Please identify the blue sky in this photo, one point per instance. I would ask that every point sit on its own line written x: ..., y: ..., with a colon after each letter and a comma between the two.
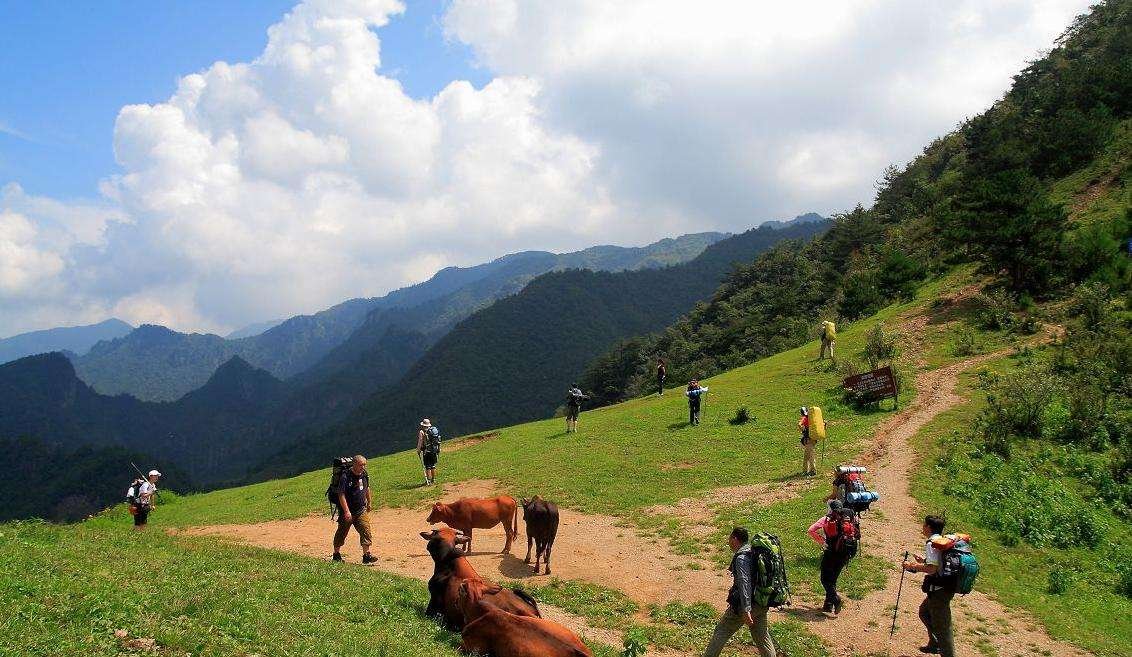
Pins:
x: 68, y: 67
x: 264, y: 176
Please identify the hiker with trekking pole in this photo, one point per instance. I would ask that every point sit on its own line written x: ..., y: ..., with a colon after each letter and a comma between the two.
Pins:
x: 949, y: 567
x: 142, y: 497
x: 428, y: 449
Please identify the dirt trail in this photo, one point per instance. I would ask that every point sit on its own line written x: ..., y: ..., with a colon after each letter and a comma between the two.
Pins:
x: 590, y: 548
x: 980, y: 621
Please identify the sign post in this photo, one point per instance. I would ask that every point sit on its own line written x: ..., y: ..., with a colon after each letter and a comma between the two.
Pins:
x: 873, y: 386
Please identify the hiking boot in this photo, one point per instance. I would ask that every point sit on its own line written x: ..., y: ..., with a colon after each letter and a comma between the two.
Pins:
x: 827, y: 607
x: 368, y: 559
x: 336, y: 557
x: 929, y: 650
x: 838, y: 605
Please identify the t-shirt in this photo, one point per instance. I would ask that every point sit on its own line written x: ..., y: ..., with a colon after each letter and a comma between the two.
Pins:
x: 145, y: 492
x: 354, y: 486
x: 932, y: 557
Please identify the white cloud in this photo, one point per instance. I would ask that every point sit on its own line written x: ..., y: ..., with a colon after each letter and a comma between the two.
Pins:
x: 306, y: 176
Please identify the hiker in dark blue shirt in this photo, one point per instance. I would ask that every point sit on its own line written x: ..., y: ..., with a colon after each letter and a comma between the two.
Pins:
x: 354, y: 504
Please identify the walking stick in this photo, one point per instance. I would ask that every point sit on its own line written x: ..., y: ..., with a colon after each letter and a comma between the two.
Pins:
x: 420, y: 457
x: 899, y: 589
x: 156, y: 493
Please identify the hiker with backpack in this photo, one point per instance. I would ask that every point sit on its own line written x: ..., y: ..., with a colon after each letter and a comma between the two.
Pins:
x: 428, y: 449
x: 661, y: 375
x: 352, y: 498
x: 839, y: 533
x: 809, y: 468
x: 141, y: 498
x: 828, y: 339
x: 574, y: 399
x: 949, y: 568
x: 759, y: 582
x: 694, y: 392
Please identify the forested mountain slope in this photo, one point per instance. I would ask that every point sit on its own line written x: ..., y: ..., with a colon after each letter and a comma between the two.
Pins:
x: 513, y: 360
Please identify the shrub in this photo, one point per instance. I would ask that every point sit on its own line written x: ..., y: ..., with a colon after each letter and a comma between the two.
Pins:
x: 742, y: 416
x: 880, y: 347
x: 1124, y: 583
x: 635, y: 643
x: 1060, y: 580
x: 966, y: 344
x: 994, y: 311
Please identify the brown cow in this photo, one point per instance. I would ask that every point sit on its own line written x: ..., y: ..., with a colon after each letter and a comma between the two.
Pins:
x: 500, y: 634
x: 467, y: 514
x: 451, y: 569
x: 541, y: 518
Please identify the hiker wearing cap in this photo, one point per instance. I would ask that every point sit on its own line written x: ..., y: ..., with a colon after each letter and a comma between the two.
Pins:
x: 353, y: 509
x: 574, y: 399
x: 808, y: 467
x: 428, y: 448
x: 838, y: 532
x: 694, y: 393
x: 661, y: 375
x: 145, y: 495
x: 935, y: 611
x: 741, y: 607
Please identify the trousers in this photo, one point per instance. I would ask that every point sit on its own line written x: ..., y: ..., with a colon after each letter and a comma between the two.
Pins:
x: 731, y: 622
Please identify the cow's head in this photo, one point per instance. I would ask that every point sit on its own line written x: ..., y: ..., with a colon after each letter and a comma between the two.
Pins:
x: 438, y: 514
x: 529, y: 505
x: 443, y: 543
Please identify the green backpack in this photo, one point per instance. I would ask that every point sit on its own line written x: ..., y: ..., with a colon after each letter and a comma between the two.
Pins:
x: 958, y: 566
x: 768, y: 572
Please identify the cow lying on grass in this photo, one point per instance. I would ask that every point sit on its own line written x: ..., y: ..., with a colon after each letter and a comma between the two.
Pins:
x: 491, y: 631
x: 467, y: 514
x: 451, y: 568
x: 541, y: 518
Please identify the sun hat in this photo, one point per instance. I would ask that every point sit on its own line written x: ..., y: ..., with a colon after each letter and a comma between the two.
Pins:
x: 426, y: 423
x: 154, y: 473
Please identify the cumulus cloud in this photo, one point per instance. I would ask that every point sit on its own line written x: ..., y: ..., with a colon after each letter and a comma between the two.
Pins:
x: 306, y: 176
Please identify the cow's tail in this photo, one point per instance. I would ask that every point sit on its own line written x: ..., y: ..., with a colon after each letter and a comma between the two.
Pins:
x: 515, y: 522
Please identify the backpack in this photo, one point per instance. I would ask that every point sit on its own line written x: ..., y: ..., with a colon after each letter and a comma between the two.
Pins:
x: 432, y: 440
x: 958, y: 567
x: 769, y: 585
x: 851, y: 488
x: 132, y: 491
x: 843, y: 534
x: 575, y: 397
x: 337, y: 467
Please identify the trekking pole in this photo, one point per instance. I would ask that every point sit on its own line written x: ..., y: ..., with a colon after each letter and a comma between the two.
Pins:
x: 899, y: 588
x: 420, y: 457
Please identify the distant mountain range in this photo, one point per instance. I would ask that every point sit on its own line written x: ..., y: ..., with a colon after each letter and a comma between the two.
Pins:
x: 154, y: 363
x: 75, y: 339
x: 255, y: 329
x: 512, y: 331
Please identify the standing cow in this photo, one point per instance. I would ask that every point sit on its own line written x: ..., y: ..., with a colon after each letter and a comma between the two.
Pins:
x: 467, y: 514
x: 451, y: 570
x: 541, y: 518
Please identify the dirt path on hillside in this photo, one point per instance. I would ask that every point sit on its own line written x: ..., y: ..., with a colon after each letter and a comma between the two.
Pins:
x: 981, y: 623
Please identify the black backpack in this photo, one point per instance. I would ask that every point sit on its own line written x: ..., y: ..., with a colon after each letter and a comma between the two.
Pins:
x: 337, y: 467
x: 132, y: 491
x: 432, y: 440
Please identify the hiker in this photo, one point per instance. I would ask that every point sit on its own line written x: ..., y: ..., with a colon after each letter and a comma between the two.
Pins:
x: 574, y: 399
x: 741, y: 608
x: 661, y: 375
x: 428, y: 449
x: 828, y: 339
x: 694, y: 392
x: 809, y: 469
x: 839, y: 533
x: 142, y: 496
x: 935, y: 611
x: 354, y: 504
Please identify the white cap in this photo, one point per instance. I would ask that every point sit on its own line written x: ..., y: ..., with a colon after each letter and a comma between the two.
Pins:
x: 154, y: 473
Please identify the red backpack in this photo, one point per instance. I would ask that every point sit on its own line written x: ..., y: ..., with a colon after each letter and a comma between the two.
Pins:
x: 843, y: 533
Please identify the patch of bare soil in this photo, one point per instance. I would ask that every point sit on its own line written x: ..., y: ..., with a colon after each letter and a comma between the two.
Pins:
x: 590, y: 548
x: 470, y: 441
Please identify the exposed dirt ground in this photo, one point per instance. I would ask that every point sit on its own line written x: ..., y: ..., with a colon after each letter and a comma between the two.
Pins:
x: 604, y: 550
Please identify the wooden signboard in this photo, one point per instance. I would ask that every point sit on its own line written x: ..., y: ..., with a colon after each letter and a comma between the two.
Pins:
x: 873, y: 386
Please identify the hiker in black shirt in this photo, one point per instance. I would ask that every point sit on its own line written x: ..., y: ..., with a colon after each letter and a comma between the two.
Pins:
x: 661, y: 375
x: 354, y: 504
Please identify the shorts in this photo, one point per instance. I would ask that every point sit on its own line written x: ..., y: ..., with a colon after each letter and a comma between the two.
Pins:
x: 142, y: 515
x: 572, y: 412
x: 430, y: 460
